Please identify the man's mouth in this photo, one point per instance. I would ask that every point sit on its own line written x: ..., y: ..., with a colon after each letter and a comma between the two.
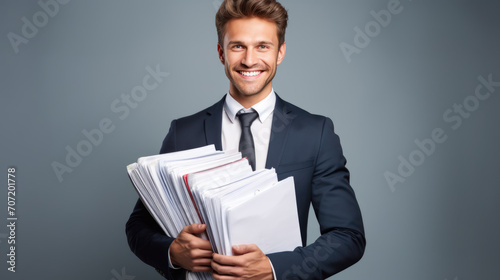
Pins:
x: 250, y: 73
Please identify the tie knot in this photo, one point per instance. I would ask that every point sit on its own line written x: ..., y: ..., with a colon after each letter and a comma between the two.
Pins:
x: 246, y: 119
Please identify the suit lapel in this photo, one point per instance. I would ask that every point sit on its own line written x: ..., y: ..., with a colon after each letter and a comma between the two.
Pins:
x: 282, y: 119
x: 213, y: 124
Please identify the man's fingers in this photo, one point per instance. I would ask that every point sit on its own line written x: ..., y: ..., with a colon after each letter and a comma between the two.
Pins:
x: 217, y: 276
x: 221, y: 271
x: 195, y: 228
x: 188, y: 237
x: 225, y: 269
x: 201, y: 253
x: 202, y: 262
x: 205, y: 245
x: 225, y: 260
x: 202, y: 265
x: 244, y: 249
x: 190, y: 251
x: 202, y: 244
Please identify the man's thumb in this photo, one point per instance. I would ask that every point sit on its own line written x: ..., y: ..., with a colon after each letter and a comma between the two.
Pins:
x: 195, y: 228
x: 244, y: 249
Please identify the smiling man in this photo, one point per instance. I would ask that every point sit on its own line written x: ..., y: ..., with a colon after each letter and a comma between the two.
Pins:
x: 251, y: 52
x: 272, y: 133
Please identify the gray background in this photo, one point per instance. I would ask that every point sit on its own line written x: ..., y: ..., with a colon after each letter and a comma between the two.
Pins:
x: 440, y: 223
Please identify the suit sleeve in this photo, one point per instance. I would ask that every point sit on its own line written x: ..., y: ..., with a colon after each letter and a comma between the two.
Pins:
x: 342, y: 240
x: 145, y: 237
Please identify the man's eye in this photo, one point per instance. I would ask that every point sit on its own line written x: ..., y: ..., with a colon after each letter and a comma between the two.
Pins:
x: 238, y: 46
x: 263, y: 47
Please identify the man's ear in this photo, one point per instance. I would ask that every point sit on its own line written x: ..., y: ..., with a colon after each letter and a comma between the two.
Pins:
x: 220, y: 50
x: 281, y: 53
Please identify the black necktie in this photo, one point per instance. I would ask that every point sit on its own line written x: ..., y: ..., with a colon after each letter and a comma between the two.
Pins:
x: 246, y: 147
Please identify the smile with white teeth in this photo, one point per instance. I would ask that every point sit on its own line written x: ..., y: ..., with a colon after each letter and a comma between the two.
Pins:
x: 249, y: 74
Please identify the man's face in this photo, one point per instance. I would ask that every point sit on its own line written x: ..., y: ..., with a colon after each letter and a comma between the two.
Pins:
x: 250, y: 56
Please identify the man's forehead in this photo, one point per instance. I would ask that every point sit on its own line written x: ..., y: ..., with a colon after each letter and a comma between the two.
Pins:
x: 251, y: 30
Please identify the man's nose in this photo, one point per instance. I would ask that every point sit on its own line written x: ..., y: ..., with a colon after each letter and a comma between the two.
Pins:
x: 250, y: 58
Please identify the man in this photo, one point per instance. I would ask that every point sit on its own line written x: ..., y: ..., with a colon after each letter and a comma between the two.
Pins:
x: 251, y: 44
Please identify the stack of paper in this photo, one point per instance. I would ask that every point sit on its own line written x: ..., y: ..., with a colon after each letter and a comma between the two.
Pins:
x: 219, y: 189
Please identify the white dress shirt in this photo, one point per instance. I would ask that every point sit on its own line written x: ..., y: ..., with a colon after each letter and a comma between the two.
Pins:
x: 261, y: 127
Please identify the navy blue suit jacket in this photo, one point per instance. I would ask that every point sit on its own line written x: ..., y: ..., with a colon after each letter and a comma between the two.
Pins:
x: 302, y: 145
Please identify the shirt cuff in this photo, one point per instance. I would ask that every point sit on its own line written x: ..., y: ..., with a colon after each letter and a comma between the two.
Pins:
x: 270, y: 262
x: 178, y: 267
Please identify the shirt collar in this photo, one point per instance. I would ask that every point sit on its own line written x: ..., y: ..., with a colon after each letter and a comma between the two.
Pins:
x: 264, y: 108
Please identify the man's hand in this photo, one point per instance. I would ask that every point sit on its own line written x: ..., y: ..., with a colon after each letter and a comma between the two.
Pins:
x: 191, y: 252
x: 248, y: 262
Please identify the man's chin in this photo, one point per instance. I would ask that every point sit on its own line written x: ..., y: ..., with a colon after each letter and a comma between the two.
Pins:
x: 249, y: 93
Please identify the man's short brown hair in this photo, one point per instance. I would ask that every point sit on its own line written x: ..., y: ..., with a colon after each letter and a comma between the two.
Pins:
x: 265, y: 9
